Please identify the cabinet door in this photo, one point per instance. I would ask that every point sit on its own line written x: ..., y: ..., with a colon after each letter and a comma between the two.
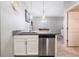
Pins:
x: 32, y: 47
x: 20, y: 47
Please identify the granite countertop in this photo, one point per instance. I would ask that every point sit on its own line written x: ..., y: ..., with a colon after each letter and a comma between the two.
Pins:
x: 25, y: 33
x: 31, y: 33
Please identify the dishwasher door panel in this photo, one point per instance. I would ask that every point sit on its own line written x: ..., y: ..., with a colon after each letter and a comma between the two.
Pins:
x: 47, y: 47
x: 51, y: 47
x: 42, y: 46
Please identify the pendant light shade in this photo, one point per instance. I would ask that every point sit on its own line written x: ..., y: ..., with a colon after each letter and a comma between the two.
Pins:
x: 31, y: 17
x: 43, y: 17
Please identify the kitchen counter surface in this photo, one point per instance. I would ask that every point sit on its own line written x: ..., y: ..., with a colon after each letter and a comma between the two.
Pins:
x: 34, y: 33
x: 31, y: 33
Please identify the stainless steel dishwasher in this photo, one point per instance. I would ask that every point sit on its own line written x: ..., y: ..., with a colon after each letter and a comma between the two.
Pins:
x: 47, y: 45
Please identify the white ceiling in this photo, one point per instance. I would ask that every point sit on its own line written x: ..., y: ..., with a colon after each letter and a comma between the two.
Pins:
x: 52, y: 8
x: 68, y: 4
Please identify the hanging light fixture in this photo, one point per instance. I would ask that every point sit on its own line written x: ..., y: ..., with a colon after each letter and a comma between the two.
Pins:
x: 43, y: 17
x: 31, y: 11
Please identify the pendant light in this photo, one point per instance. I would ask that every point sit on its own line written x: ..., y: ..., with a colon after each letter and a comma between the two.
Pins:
x: 43, y: 17
x: 31, y: 16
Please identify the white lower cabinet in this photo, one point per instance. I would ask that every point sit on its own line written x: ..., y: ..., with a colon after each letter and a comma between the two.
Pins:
x: 20, y: 47
x: 25, y: 45
x: 32, y: 47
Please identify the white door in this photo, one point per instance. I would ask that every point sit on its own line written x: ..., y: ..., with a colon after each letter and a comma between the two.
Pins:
x: 20, y: 46
x: 73, y: 29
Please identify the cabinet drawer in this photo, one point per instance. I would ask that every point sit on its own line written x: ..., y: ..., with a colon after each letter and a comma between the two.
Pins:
x: 26, y: 36
x: 23, y: 39
x: 19, y: 40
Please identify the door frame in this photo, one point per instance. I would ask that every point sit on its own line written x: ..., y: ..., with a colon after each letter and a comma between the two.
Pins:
x: 67, y: 29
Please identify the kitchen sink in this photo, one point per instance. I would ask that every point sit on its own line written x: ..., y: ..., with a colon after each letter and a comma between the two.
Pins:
x: 23, y: 33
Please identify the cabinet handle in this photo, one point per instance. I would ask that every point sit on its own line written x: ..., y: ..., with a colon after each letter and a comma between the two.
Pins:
x: 26, y: 47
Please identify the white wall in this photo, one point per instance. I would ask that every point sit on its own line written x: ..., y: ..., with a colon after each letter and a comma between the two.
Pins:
x: 10, y: 20
x: 53, y: 23
x: 0, y: 31
x: 52, y: 8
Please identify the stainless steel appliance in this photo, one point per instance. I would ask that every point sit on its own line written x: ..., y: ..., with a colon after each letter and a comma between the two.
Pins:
x: 47, y: 45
